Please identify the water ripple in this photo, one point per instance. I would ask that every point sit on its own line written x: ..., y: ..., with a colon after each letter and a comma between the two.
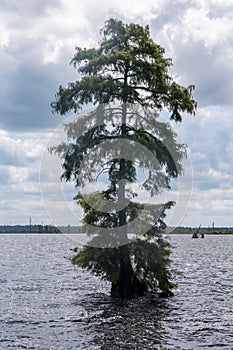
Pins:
x: 46, y: 303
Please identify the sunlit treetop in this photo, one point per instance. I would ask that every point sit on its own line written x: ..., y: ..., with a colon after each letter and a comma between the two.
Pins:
x: 127, y: 66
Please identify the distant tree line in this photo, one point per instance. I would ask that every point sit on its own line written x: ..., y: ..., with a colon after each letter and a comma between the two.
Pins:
x: 28, y: 229
x: 206, y: 230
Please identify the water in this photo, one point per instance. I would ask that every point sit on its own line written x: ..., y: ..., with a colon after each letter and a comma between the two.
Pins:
x: 46, y: 303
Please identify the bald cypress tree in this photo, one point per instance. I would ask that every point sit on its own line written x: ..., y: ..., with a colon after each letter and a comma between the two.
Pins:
x: 126, y: 78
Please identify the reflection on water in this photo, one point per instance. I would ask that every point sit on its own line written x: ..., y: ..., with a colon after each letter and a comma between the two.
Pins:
x: 46, y: 303
x: 133, y: 325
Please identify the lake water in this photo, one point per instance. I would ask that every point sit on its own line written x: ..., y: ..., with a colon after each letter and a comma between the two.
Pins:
x: 47, y: 303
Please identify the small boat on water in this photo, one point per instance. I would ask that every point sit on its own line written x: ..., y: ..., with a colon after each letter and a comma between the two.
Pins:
x: 196, y: 234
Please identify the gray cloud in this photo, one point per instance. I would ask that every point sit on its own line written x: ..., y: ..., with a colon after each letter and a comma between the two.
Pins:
x: 27, y: 95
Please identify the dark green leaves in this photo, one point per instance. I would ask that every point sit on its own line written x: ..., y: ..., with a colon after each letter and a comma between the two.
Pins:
x: 128, y: 66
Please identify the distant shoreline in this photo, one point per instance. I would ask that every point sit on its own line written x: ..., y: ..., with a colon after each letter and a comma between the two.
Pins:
x: 28, y: 229
x: 204, y: 230
x: 48, y: 229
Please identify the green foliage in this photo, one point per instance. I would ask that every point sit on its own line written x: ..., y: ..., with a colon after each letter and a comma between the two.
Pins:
x: 104, y: 262
x: 128, y: 67
x: 149, y: 254
x: 142, y: 127
x: 127, y: 78
x: 151, y: 261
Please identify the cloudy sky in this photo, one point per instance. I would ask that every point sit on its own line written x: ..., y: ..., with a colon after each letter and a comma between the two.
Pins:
x: 37, y: 41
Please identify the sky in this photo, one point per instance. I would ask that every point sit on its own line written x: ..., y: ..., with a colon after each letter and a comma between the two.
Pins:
x: 38, y: 40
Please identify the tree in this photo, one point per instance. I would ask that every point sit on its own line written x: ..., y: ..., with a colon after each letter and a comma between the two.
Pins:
x: 127, y: 79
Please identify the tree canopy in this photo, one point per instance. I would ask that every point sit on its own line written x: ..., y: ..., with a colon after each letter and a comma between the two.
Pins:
x: 128, y: 66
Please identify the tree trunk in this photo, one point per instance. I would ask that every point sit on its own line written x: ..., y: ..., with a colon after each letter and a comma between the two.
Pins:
x: 123, y: 288
x: 127, y: 285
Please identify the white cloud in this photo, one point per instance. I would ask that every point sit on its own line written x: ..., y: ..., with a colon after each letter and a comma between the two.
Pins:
x: 199, y: 26
x: 226, y: 5
x: 4, y: 36
x: 18, y: 151
x: 52, y: 50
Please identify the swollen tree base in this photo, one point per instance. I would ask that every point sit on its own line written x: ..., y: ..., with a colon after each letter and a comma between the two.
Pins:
x: 127, y: 285
x: 128, y: 289
x: 138, y: 289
